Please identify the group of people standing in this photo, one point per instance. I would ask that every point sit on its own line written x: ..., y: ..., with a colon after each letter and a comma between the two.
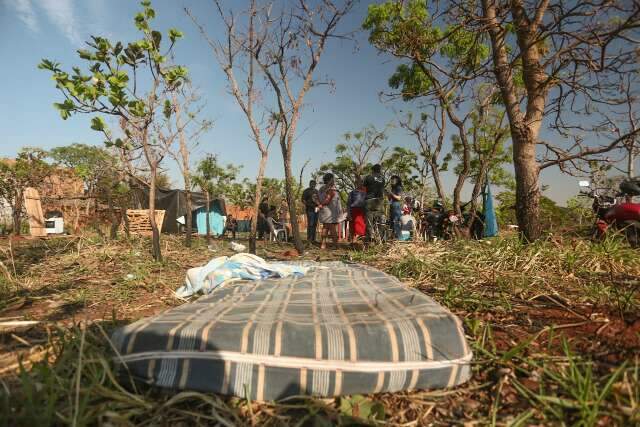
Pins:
x: 365, y: 205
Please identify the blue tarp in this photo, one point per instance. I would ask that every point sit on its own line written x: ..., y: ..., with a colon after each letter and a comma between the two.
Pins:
x: 490, y: 221
x: 244, y: 226
x: 216, y: 222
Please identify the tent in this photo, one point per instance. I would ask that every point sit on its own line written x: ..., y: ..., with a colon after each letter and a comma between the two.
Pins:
x: 216, y: 219
x: 490, y: 222
x: 174, y: 203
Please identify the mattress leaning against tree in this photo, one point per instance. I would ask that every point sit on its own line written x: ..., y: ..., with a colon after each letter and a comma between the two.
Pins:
x: 341, y: 329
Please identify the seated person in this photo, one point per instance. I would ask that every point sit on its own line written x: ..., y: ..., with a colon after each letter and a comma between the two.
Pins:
x: 283, y: 217
x: 231, y: 226
x: 407, y: 224
x: 263, y: 213
x: 271, y: 223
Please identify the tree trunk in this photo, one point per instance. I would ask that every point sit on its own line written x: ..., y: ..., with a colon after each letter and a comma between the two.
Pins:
x: 207, y: 210
x: 155, y: 237
x: 466, y: 163
x: 524, y: 129
x: 256, y: 201
x: 527, y: 188
x: 291, y: 201
x: 188, y: 216
x: 125, y: 220
x: 15, y: 214
x: 457, y: 191
x: 76, y: 219
x: 115, y: 221
x: 184, y: 154
x: 437, y: 181
x: 631, y: 160
x: 477, y: 186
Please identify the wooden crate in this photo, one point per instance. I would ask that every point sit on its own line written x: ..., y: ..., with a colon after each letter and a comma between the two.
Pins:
x: 139, y: 221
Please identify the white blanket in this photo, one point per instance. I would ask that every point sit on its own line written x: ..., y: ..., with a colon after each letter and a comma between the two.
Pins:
x: 243, y: 266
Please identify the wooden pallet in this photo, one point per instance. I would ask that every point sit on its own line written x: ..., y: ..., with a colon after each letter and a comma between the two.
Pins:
x: 139, y: 221
x: 34, y: 212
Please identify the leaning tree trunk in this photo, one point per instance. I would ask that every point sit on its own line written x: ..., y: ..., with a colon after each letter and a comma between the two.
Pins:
x: 291, y: 200
x: 256, y: 202
x: 437, y: 181
x: 155, y: 233
x: 477, y: 186
x: 207, y: 197
x: 466, y: 163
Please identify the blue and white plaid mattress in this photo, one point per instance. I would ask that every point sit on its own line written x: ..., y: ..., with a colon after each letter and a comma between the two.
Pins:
x: 341, y: 329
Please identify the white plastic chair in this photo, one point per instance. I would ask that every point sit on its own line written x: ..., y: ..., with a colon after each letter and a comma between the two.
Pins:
x: 275, y: 232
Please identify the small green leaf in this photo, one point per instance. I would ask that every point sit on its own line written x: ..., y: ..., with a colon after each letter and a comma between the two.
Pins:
x: 117, y: 49
x: 97, y: 124
x: 46, y: 64
x: 358, y: 406
x: 85, y: 54
x: 137, y: 108
x: 65, y: 109
x: 157, y: 38
x: 175, y: 34
x: 144, y: 44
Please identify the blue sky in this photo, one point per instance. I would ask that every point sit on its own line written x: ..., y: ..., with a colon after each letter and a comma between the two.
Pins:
x: 54, y: 29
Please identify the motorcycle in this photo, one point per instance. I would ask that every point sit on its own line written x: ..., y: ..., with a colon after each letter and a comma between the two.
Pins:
x: 618, y: 212
x: 436, y: 223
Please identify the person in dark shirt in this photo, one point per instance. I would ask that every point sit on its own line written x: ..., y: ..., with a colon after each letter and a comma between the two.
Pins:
x: 263, y: 212
x: 374, y: 184
x: 395, y: 197
x: 311, y: 204
x: 231, y: 226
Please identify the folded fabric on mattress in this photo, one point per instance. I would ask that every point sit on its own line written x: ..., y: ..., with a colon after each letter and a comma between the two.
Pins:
x: 339, y: 330
x: 242, y: 266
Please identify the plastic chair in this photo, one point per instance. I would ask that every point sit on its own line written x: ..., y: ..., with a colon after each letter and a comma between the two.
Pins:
x: 276, y: 230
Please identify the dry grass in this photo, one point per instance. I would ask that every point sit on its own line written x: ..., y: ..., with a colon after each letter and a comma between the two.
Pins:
x: 554, y: 327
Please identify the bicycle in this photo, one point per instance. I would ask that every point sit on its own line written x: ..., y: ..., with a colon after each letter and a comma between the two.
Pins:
x: 380, y: 231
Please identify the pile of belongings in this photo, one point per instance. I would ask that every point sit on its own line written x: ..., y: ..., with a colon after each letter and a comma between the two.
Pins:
x: 243, y: 266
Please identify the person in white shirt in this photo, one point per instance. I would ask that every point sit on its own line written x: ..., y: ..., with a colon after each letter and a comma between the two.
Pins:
x: 407, y: 222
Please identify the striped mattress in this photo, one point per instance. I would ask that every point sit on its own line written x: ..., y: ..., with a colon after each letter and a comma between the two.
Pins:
x: 341, y: 329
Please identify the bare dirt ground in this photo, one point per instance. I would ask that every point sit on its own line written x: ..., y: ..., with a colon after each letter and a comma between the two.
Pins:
x: 554, y: 326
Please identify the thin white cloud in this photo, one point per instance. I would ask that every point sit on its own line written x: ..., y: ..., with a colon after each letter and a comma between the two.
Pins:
x: 26, y: 13
x: 98, y: 18
x: 61, y: 15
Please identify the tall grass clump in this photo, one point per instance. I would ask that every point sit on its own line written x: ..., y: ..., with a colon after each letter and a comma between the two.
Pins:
x: 594, y: 272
